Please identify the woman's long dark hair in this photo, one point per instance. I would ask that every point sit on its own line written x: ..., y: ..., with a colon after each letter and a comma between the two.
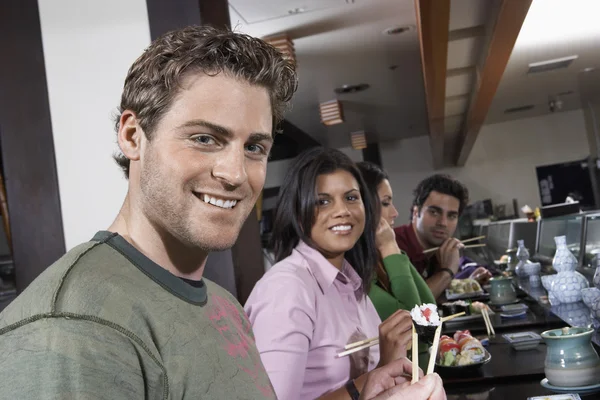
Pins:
x: 373, y: 175
x: 295, y: 210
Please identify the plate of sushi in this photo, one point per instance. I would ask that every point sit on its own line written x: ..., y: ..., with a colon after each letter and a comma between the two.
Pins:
x: 472, y: 310
x: 463, y: 289
x: 461, y: 352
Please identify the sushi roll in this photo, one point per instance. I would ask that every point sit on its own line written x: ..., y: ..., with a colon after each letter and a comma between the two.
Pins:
x: 455, y: 307
x: 472, y: 350
x: 459, y: 334
x: 449, y: 349
x: 426, y: 320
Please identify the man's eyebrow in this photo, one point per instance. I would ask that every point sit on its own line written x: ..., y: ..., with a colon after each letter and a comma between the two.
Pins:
x: 222, y: 131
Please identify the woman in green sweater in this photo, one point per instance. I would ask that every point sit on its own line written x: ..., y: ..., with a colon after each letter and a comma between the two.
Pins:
x: 397, y: 284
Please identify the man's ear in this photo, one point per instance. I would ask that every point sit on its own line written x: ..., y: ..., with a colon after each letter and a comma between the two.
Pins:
x: 415, y: 213
x: 129, y: 136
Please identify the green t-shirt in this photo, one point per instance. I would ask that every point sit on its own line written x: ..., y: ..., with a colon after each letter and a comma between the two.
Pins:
x: 105, y: 322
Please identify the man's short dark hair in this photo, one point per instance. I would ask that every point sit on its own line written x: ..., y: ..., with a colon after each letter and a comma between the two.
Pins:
x: 444, y: 184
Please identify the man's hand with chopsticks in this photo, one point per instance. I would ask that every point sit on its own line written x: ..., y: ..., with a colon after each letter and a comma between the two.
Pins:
x: 481, y: 275
x: 395, y: 333
x: 392, y: 382
x: 449, y: 255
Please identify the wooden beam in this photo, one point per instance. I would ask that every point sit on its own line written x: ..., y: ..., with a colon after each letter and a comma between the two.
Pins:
x: 433, y: 21
x: 467, y: 33
x: 28, y: 157
x: 509, y: 21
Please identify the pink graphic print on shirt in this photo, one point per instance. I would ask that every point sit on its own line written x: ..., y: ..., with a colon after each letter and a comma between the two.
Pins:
x: 235, y: 329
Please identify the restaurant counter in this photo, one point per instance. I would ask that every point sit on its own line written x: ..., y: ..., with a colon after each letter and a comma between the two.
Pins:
x: 572, y: 314
x: 512, y: 374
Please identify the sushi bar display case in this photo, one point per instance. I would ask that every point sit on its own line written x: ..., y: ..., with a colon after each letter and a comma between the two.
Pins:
x: 571, y: 226
x: 591, y: 241
x: 502, y: 236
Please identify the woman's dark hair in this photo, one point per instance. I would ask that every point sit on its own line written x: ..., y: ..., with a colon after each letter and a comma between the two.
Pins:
x: 373, y: 175
x: 444, y: 184
x: 295, y: 211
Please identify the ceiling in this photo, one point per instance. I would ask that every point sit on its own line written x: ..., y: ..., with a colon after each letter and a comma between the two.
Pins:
x: 552, y: 29
x: 340, y: 42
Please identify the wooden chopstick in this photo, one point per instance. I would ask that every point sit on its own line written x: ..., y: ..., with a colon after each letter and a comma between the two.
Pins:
x: 462, y: 241
x: 366, y: 343
x: 357, y: 348
x: 470, y: 246
x: 415, y: 356
x: 360, y: 343
x: 449, y: 317
x: 434, y: 349
x: 473, y: 239
x: 488, y: 323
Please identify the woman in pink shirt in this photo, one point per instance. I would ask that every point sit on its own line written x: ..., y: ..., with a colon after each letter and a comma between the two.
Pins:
x: 313, y: 302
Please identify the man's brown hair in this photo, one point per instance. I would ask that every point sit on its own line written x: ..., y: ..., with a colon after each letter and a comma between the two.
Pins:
x: 154, y: 79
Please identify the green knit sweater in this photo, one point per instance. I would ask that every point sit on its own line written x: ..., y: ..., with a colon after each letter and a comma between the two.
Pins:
x: 407, y: 289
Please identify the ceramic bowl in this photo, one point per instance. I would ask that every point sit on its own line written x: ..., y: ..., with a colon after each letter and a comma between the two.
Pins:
x: 570, y: 357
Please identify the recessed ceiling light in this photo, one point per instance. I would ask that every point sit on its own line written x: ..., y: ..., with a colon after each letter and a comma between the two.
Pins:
x: 298, y: 10
x: 588, y: 69
x: 351, y: 88
x: 397, y: 30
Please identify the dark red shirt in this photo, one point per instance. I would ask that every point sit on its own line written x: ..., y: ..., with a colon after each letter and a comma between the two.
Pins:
x: 407, y: 240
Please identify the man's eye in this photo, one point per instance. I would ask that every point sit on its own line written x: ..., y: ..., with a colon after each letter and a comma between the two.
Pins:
x: 205, y: 139
x: 256, y: 149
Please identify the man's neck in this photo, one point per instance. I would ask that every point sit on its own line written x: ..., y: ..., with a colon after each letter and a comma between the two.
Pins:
x: 165, y: 250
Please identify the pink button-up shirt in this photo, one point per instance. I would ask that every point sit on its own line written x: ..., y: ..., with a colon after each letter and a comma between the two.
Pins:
x: 303, y: 312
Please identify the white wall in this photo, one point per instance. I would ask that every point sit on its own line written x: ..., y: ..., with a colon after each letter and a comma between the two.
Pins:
x: 502, y: 163
x: 355, y: 155
x: 88, y: 48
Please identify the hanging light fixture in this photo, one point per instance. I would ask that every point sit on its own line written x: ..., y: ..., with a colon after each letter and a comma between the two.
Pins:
x: 285, y: 46
x: 331, y: 112
x: 358, y: 140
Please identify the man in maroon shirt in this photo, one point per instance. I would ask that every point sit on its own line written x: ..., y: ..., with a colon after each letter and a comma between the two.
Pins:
x: 439, y: 201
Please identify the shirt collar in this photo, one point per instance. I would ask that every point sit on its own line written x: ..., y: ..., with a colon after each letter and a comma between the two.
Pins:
x: 414, y: 250
x: 325, y: 273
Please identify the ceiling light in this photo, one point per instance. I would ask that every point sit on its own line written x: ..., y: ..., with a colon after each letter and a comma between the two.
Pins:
x: 331, y: 112
x: 589, y: 69
x: 351, y: 88
x: 285, y: 46
x: 358, y: 140
x: 397, y: 30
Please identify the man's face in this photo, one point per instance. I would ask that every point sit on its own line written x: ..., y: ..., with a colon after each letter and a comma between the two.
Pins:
x: 205, y: 166
x: 437, y: 219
